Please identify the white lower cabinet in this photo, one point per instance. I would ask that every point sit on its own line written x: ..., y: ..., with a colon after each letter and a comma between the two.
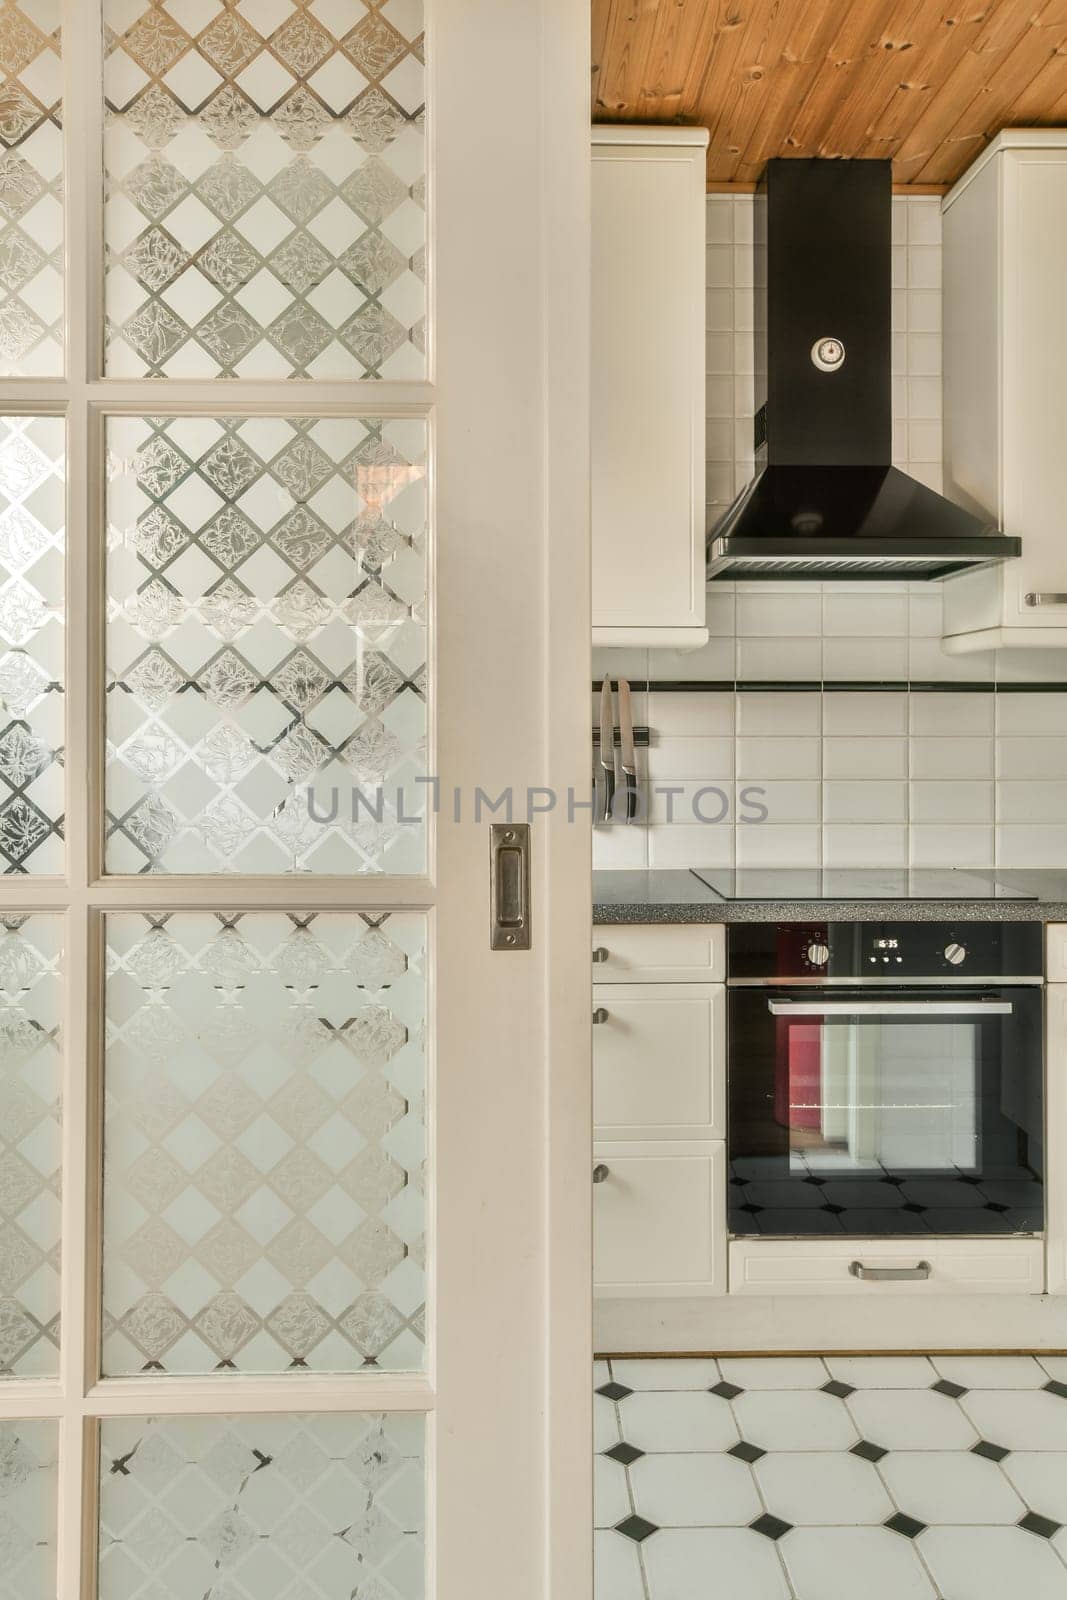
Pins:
x: 827, y: 1266
x: 658, y: 1061
x: 659, y: 1222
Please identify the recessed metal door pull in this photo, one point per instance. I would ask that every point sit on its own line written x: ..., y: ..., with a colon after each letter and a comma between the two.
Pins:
x: 509, y: 886
x: 922, y: 1269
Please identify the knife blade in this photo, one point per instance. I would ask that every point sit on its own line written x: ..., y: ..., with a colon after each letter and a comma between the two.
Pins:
x: 629, y: 758
x: 607, y: 746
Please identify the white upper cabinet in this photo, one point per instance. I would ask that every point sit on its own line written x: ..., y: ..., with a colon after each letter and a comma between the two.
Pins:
x: 1005, y: 355
x: 648, y: 386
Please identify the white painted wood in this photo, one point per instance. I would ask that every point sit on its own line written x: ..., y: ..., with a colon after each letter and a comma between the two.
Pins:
x: 1005, y: 349
x: 659, y: 1061
x: 1056, y: 952
x: 661, y: 953
x: 960, y: 1266
x: 507, y: 402
x: 659, y: 1219
x: 1056, y: 1112
x: 648, y: 343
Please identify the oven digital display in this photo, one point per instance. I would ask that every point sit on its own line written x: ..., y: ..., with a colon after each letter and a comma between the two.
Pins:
x: 887, y: 944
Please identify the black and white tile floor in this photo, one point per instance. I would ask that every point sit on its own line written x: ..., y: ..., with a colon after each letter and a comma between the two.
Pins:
x: 808, y: 1478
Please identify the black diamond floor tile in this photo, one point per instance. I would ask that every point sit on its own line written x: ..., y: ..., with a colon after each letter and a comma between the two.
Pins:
x: 946, y: 1386
x: 992, y: 1452
x: 770, y: 1527
x: 868, y: 1451
x: 636, y: 1528
x: 627, y: 1454
x: 745, y: 1451
x: 726, y: 1391
x: 908, y: 1526
x: 1044, y: 1527
x: 614, y: 1391
x: 1054, y: 1386
x: 836, y: 1387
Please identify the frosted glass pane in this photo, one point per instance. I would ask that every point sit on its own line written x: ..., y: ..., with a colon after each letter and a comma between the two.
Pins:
x: 265, y: 183
x: 262, y: 1508
x: 266, y: 697
x: 31, y: 643
x: 29, y: 1481
x: 31, y: 190
x: 264, y: 1142
x: 30, y: 1085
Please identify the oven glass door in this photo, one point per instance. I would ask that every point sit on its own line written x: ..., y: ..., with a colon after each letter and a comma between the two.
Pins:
x: 885, y: 1112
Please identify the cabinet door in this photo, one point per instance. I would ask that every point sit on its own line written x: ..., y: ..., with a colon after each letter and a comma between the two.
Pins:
x: 667, y: 953
x: 648, y: 346
x: 659, y: 1067
x: 659, y: 1219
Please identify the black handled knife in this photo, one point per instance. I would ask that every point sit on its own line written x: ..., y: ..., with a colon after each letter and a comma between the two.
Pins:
x: 629, y: 758
x: 607, y: 746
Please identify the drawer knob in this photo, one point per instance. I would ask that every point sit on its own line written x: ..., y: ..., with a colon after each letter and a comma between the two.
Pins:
x: 601, y: 1172
x: 600, y: 1014
x: 921, y: 1269
x: 600, y: 954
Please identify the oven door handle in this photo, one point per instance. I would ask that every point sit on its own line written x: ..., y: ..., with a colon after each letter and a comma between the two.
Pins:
x: 890, y: 1008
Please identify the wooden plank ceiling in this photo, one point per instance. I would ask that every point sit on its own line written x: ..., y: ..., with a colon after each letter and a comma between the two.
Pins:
x: 925, y: 82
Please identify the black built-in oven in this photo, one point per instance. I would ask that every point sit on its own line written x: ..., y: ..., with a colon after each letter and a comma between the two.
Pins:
x: 885, y: 1078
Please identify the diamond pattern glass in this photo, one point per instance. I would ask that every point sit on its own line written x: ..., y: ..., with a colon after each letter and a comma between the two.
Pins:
x: 290, y: 1507
x: 31, y: 190
x: 29, y: 1481
x: 264, y: 1143
x: 31, y: 643
x: 267, y: 645
x: 30, y: 1155
x: 265, y: 175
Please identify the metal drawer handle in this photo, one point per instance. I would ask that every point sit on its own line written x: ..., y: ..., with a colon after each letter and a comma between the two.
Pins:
x: 600, y: 954
x: 1045, y: 599
x: 600, y: 1014
x: 922, y: 1269
x: 601, y: 1172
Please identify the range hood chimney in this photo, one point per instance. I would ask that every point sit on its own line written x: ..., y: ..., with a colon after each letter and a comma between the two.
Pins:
x: 826, y: 501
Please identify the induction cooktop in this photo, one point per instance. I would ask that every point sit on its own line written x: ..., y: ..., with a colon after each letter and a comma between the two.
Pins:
x: 860, y: 883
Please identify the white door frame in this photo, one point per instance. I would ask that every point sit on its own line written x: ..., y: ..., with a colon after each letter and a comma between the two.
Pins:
x: 507, y: 1394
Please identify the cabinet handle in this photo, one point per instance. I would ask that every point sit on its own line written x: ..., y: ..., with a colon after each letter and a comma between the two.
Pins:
x: 922, y: 1269
x: 600, y: 1014
x: 1045, y: 599
x: 601, y: 1172
x: 600, y: 954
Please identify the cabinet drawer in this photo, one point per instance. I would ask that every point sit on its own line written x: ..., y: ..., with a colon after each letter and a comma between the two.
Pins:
x: 659, y: 1064
x: 674, y: 953
x: 821, y: 1266
x: 1056, y: 952
x: 659, y: 1219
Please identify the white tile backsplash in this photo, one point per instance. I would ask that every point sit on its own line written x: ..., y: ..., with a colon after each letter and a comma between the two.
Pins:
x: 889, y: 778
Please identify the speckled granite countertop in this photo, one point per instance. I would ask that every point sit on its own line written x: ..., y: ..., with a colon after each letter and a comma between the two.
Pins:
x: 681, y: 896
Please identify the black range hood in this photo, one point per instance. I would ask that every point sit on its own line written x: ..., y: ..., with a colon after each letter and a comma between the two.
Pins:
x: 826, y: 502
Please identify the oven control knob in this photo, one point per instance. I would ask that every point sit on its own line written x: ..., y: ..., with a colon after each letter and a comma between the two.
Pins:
x: 955, y: 954
x: 818, y: 954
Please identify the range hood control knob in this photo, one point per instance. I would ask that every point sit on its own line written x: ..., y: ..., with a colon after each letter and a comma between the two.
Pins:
x: 828, y: 354
x: 818, y: 954
x: 955, y: 954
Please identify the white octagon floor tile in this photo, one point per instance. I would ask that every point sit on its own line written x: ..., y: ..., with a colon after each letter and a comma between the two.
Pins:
x: 611, y: 1497
x: 1041, y: 1478
x: 601, y: 1373
x: 950, y: 1486
x: 617, y: 1569
x: 1055, y: 1366
x: 666, y: 1421
x: 774, y: 1372
x: 694, y: 1491
x: 779, y: 1419
x: 702, y: 1563
x: 883, y: 1372
x: 822, y: 1487
x: 991, y: 1372
x: 912, y: 1419
x: 993, y: 1564
x: 843, y: 1563
x: 665, y: 1373
x: 605, y: 1424
x: 1019, y: 1419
